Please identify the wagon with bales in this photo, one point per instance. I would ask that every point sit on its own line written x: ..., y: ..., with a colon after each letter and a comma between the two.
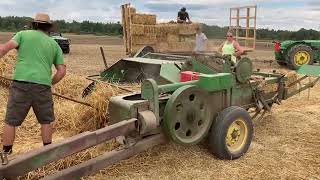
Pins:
x: 140, y: 30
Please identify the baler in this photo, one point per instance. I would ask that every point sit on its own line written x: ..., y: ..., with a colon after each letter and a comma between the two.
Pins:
x: 216, y: 101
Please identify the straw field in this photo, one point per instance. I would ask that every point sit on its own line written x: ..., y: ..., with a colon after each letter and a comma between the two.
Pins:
x: 285, y: 146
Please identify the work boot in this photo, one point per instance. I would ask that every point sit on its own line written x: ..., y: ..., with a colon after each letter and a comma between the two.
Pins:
x: 4, y: 157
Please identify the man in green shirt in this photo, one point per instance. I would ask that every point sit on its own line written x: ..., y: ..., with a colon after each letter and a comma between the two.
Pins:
x: 37, y: 53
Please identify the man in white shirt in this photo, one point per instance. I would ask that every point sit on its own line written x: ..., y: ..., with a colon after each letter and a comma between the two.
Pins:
x: 201, y: 41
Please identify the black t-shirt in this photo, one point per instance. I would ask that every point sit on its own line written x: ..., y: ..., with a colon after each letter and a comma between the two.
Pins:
x: 183, y: 15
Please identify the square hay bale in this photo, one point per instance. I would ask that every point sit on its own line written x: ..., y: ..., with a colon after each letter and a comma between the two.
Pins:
x: 181, y: 46
x: 162, y: 47
x: 145, y: 19
x: 137, y: 29
x: 166, y: 28
x: 150, y: 29
x: 161, y: 38
x: 188, y: 29
x: 173, y: 38
x: 146, y: 39
x: 132, y: 10
x: 292, y: 77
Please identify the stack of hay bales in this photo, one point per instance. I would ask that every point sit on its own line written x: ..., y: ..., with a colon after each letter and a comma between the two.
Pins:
x: 143, y: 30
x: 176, y: 37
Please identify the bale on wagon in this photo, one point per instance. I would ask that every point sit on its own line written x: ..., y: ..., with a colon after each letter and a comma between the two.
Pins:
x: 145, y: 19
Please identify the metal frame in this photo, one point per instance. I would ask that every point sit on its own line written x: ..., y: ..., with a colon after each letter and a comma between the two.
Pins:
x: 236, y: 26
x: 52, y: 153
x: 126, y: 23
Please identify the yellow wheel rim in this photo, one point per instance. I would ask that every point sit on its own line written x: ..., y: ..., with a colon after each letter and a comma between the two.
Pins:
x: 301, y: 58
x: 237, y: 135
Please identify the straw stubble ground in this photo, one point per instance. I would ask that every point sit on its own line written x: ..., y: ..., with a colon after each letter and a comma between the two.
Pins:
x: 285, y: 146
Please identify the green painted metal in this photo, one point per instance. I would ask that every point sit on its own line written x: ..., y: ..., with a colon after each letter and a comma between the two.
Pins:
x: 137, y: 69
x: 150, y: 92
x: 172, y: 87
x: 216, y: 82
x: 198, y: 67
x: 309, y: 70
x: 170, y: 73
x: 187, y: 116
x: 209, y: 82
x: 244, y: 70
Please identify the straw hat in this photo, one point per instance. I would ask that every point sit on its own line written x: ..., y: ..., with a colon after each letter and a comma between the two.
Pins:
x: 42, y: 18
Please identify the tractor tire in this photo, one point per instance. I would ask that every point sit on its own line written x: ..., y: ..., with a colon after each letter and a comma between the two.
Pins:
x: 231, y: 134
x: 299, y: 55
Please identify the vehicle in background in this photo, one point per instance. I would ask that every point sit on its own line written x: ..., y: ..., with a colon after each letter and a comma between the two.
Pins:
x: 63, y: 42
x: 294, y: 54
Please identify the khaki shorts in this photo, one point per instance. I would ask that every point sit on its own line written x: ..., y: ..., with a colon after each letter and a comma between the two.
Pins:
x: 23, y: 96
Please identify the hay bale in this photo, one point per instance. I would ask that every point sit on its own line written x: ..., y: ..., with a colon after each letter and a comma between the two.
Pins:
x: 162, y: 47
x: 188, y: 29
x: 166, y: 28
x: 149, y: 29
x: 145, y: 19
x: 161, y: 38
x: 181, y: 46
x: 173, y: 38
x: 292, y: 77
x: 132, y: 10
x: 146, y: 39
x: 137, y: 29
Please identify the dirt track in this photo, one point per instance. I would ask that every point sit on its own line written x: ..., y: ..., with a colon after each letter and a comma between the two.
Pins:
x: 285, y: 146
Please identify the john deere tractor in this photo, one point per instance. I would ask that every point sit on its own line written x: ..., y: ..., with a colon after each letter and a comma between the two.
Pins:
x: 294, y: 54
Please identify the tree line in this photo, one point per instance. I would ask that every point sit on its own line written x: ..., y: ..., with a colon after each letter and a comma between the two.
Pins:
x: 13, y: 24
x: 265, y: 34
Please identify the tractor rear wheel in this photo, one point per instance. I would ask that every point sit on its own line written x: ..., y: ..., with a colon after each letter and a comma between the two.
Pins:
x: 231, y: 134
x: 299, y: 55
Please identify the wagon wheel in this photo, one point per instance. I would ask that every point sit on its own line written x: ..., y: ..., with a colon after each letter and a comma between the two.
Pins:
x: 187, y: 117
x: 231, y: 134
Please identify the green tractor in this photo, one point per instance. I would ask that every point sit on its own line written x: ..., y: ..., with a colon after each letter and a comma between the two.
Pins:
x: 294, y: 54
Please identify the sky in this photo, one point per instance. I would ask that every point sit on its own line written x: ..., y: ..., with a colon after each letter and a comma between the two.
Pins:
x: 272, y: 14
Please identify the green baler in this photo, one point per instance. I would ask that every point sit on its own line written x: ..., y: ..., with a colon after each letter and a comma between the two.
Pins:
x: 214, y: 107
x: 294, y: 54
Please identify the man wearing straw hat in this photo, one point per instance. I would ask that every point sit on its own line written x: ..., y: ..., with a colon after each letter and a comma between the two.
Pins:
x: 37, y: 53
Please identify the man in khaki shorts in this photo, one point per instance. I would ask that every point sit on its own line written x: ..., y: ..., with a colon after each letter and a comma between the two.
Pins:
x: 37, y: 53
